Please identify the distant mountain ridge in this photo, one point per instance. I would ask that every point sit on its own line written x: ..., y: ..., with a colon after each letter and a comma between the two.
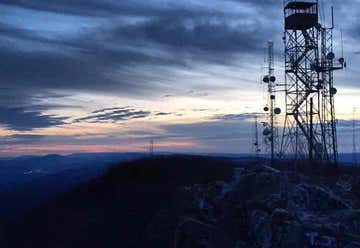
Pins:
x: 28, y: 181
x: 114, y: 209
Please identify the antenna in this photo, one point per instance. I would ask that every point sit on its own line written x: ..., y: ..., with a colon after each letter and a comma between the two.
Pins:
x: 332, y: 17
x: 151, y: 148
x: 342, y: 44
x: 354, y: 138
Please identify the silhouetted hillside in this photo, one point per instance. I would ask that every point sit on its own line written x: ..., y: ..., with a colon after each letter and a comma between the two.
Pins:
x: 29, y: 181
x: 115, y: 209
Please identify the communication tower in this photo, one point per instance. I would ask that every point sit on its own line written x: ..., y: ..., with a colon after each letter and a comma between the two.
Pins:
x: 310, y: 124
x: 270, y: 132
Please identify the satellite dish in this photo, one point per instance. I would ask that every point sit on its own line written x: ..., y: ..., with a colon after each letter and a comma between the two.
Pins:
x: 266, y: 132
x: 266, y: 109
x: 272, y: 79
x: 266, y: 79
x: 330, y: 56
x: 341, y: 60
x: 277, y: 111
x: 333, y: 91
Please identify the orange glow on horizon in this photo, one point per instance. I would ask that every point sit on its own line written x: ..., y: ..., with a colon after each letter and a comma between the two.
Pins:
x: 161, y: 146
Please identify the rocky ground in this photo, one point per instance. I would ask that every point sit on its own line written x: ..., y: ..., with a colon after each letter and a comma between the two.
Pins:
x: 262, y: 207
x: 200, y: 202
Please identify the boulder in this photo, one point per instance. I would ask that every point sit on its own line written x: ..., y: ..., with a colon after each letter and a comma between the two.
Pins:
x: 260, y: 229
x: 314, y: 197
x: 279, y: 216
x: 193, y: 233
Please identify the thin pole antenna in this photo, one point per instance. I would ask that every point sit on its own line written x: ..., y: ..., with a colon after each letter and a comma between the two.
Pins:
x: 342, y: 44
x: 354, y: 138
x: 332, y: 17
x: 151, y: 147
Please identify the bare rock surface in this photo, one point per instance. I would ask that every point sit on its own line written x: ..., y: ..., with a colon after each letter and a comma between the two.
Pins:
x: 268, y: 208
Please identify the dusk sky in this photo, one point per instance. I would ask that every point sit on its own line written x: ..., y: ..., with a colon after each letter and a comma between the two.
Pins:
x: 106, y: 75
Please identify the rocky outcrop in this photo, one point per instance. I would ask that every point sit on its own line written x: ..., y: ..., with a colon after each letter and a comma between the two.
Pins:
x: 267, y: 208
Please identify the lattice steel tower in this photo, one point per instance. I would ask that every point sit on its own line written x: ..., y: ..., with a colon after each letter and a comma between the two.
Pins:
x: 270, y: 132
x: 310, y: 124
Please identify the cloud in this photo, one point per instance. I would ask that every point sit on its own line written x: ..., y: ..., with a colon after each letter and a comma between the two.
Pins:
x: 108, y: 109
x: 163, y: 114
x: 77, y: 7
x: 346, y: 126
x: 20, y: 139
x: 215, y: 33
x: 49, y: 70
x: 23, y: 119
x: 236, y: 117
x: 211, y: 130
x: 127, y: 53
x: 114, y: 115
x: 201, y: 110
x: 117, y: 114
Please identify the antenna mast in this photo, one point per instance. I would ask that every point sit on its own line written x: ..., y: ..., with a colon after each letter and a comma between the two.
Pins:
x: 270, y: 132
x: 151, y: 148
x: 354, y: 138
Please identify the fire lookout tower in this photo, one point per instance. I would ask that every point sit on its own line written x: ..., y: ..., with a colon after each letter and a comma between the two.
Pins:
x: 310, y: 124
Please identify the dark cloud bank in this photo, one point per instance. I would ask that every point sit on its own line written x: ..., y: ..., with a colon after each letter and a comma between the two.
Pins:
x: 21, y: 119
x: 108, y: 56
